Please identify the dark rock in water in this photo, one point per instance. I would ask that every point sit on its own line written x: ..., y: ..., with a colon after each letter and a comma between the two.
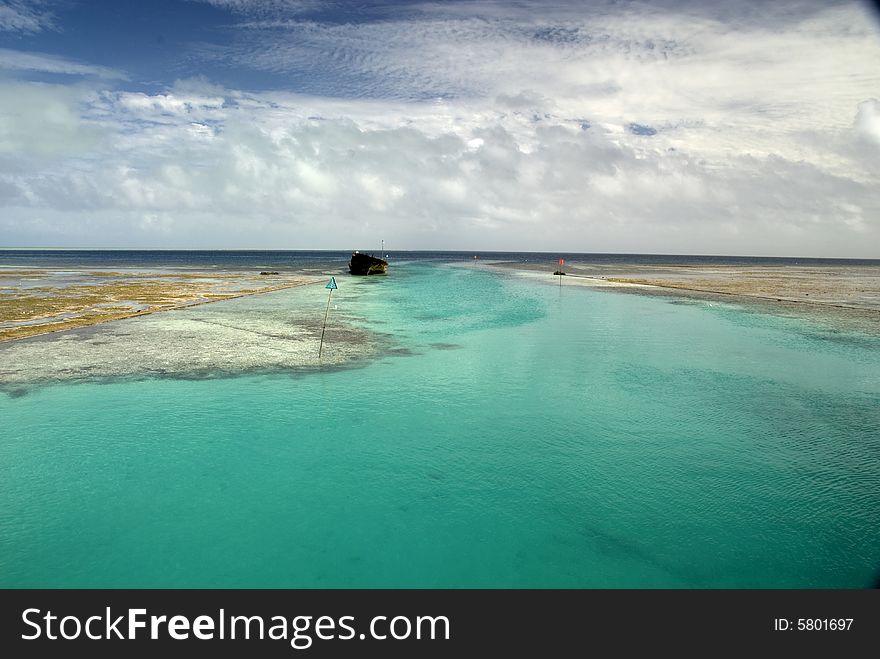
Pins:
x: 269, y: 272
x: 365, y: 264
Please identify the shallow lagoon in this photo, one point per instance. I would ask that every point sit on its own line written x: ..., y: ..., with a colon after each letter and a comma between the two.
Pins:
x: 509, y: 433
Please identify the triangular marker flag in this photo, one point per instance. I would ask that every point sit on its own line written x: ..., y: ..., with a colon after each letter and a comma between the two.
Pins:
x: 332, y: 284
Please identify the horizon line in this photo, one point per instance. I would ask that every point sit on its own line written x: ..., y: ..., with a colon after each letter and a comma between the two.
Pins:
x: 560, y: 253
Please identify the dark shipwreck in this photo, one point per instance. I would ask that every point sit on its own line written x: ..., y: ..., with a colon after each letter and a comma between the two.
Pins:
x: 365, y: 264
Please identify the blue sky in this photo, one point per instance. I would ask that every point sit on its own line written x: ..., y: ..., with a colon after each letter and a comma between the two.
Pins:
x: 159, y: 41
x: 664, y: 127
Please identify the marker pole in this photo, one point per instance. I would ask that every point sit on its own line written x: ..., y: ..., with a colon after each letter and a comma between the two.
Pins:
x: 324, y: 328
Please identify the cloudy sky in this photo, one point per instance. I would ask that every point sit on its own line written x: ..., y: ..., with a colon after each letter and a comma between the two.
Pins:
x: 675, y: 126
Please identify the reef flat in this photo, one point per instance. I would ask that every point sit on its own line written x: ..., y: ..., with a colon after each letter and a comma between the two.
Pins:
x: 843, y: 296
x: 37, y: 301
x: 276, y: 332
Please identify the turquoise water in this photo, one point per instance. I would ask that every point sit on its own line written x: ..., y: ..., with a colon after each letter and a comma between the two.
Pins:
x: 518, y: 435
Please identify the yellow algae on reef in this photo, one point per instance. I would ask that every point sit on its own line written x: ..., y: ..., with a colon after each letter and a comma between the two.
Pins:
x: 87, y: 298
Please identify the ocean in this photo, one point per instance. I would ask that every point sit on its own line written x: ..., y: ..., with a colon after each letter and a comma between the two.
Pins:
x: 511, y: 433
x: 302, y: 259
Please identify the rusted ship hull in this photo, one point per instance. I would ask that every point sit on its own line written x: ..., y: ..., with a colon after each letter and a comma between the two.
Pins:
x: 364, y: 264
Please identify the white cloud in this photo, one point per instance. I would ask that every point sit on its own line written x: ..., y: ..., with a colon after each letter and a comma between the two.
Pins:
x: 266, y: 8
x: 17, y: 60
x: 431, y: 175
x: 169, y: 104
x: 868, y: 120
x: 25, y: 16
x: 43, y: 120
x: 761, y: 82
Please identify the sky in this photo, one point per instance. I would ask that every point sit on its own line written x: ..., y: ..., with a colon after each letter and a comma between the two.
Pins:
x: 668, y: 127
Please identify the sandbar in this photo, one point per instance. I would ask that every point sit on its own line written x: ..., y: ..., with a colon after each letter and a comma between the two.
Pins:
x: 839, y: 295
